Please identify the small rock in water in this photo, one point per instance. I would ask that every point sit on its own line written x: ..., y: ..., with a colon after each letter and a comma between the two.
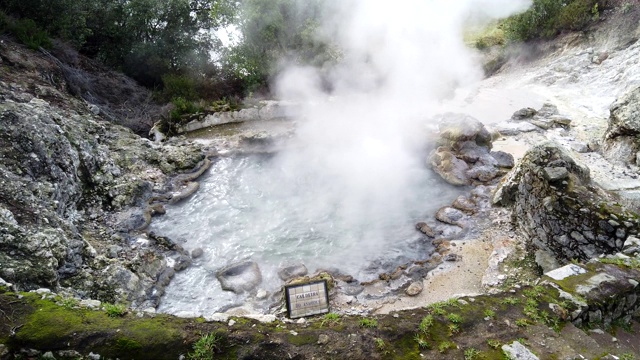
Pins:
x: 240, y: 277
x: 425, y: 229
x: 449, y: 215
x: 196, y: 253
x: 292, y: 271
x: 262, y: 294
x: 414, y: 289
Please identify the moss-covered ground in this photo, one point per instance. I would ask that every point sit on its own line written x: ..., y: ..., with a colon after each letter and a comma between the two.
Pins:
x: 456, y: 329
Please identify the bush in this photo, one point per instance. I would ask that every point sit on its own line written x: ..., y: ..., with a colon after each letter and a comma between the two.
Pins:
x: 115, y: 310
x: 4, y: 23
x: 205, y: 347
x: 547, y: 18
x: 178, y: 86
x: 30, y: 34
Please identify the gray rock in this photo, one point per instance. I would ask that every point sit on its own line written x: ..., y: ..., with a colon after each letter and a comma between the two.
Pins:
x: 504, y: 160
x: 554, y: 174
x: 425, y: 229
x: 240, y: 277
x: 546, y: 261
x: 631, y: 246
x: 196, y: 253
x: 547, y: 110
x: 449, y: 215
x: 517, y: 351
x: 565, y: 272
x: 414, y: 288
x: 620, y: 141
x: 292, y: 271
x: 452, y: 257
x: 463, y: 203
x: 449, y: 167
x: 524, y: 113
x: 512, y: 129
x: 323, y: 339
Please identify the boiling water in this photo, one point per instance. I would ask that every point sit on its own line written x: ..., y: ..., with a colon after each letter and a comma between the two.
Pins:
x: 251, y: 207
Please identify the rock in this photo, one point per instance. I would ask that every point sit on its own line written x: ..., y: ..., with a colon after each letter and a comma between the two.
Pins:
x: 262, y: 294
x: 580, y: 147
x: 449, y: 167
x: 425, y: 229
x: 323, y: 339
x: 91, y: 304
x: 547, y: 110
x: 462, y: 203
x: 517, y: 351
x: 3, y: 350
x: 93, y: 356
x: 483, y: 173
x: 620, y: 141
x: 452, y: 257
x: 558, y: 209
x: 240, y: 277
x: 546, y: 261
x: 631, y: 246
x: 566, y: 271
x: 414, y: 288
x: 449, y: 215
x: 292, y: 271
x: 503, y: 159
x: 69, y: 354
x: 555, y: 174
x: 512, y: 129
x: 524, y: 113
x: 48, y: 355
x: 600, y: 57
x: 196, y: 253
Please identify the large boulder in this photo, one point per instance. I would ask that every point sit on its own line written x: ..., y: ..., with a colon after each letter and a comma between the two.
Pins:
x: 559, y: 210
x: 463, y: 154
x: 240, y: 277
x: 621, y: 142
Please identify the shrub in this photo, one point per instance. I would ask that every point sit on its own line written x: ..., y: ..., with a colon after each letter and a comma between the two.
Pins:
x: 115, y: 310
x: 181, y: 106
x: 28, y: 32
x: 368, y: 323
x: 546, y: 18
x: 178, y: 86
x: 205, y: 347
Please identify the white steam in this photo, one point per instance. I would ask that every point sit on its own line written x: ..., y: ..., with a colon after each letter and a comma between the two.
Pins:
x: 363, y: 143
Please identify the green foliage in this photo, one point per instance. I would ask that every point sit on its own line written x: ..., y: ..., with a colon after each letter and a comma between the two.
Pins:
x: 510, y: 301
x: 471, y: 354
x: 455, y: 318
x: 273, y: 31
x: 178, y: 86
x: 28, y: 32
x: 494, y: 344
x: 330, y: 319
x: 422, y: 343
x: 453, y: 329
x: 115, y: 310
x: 547, y: 18
x: 523, y: 322
x: 368, y: 323
x: 69, y: 303
x: 627, y: 356
x: 426, y: 323
x: 4, y: 22
x: 205, y: 347
x: 380, y: 344
x: 446, y: 345
x: 626, y: 7
x: 488, y: 313
x: 182, y: 106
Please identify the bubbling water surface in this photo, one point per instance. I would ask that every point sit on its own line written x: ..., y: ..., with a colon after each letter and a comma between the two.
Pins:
x: 253, y: 207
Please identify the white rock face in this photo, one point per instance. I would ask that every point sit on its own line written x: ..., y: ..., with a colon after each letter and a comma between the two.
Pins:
x: 566, y: 271
x: 518, y: 351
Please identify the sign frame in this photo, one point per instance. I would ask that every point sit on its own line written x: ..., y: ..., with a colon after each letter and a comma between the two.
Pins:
x: 287, y: 296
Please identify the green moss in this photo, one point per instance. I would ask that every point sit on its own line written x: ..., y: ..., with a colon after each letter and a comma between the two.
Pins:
x: 302, y: 339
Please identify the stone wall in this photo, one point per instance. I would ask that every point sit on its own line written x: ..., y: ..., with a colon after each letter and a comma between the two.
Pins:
x: 264, y: 111
x: 603, y: 293
x: 559, y: 210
